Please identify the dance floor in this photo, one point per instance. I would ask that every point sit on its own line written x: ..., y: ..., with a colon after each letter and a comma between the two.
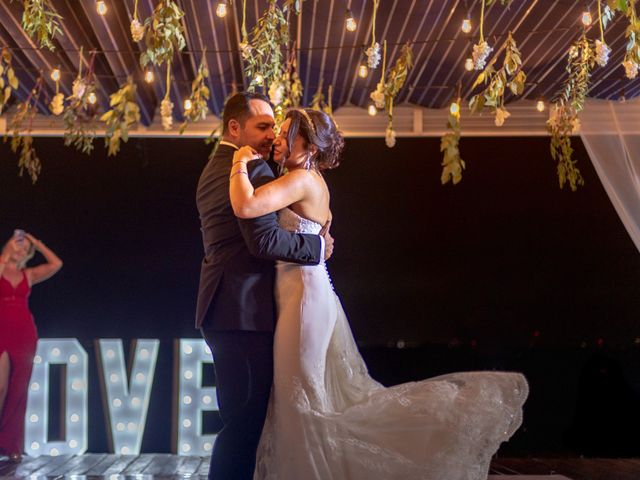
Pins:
x: 147, y: 466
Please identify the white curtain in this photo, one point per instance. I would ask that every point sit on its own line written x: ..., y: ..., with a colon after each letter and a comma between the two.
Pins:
x: 610, y: 132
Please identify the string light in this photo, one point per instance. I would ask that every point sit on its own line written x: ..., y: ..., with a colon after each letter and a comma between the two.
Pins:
x: 55, y: 74
x: 221, y: 9
x: 92, y: 98
x: 148, y: 76
x: 372, y: 110
x: 187, y: 104
x: 468, y: 64
x: 101, y: 7
x: 363, y: 71
x: 540, y: 106
x: 454, y: 109
x: 586, y: 18
x: 350, y: 22
x: 466, y: 25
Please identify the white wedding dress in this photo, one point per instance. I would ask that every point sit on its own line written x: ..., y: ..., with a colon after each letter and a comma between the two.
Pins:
x: 329, y: 420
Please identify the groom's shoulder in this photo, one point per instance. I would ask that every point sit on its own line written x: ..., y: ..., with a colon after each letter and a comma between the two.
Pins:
x: 260, y: 171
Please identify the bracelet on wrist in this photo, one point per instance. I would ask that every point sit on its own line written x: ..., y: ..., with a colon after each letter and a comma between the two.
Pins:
x: 236, y: 173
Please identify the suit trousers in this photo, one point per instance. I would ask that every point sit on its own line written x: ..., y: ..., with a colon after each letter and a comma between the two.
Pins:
x: 243, y: 364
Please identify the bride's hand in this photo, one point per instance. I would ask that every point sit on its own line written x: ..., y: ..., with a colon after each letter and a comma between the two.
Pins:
x: 245, y: 154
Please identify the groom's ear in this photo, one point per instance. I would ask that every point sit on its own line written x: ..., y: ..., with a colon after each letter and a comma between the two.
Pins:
x: 233, y: 127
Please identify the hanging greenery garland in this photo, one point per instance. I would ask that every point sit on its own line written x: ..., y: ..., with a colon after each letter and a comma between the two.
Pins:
x: 80, y: 117
x: 164, y: 33
x: 564, y: 114
x: 509, y: 75
x: 8, y: 80
x: 197, y: 101
x: 122, y: 117
x: 39, y: 20
x: 21, y: 138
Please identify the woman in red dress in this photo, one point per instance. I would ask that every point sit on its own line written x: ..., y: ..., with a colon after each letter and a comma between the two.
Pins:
x: 18, y: 335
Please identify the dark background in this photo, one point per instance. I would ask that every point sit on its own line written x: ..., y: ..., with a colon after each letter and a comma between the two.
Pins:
x: 503, y: 271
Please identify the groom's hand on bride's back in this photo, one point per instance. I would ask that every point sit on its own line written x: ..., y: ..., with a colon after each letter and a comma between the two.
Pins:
x: 328, y: 240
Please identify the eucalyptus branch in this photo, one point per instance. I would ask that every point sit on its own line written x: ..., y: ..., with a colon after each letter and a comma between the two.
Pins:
x: 164, y: 33
x: 80, y: 116
x: 197, y: 101
x: 269, y: 38
x: 509, y: 75
x: 8, y: 79
x: 39, y: 20
x: 21, y: 138
x: 452, y: 163
x: 564, y: 114
x: 123, y: 116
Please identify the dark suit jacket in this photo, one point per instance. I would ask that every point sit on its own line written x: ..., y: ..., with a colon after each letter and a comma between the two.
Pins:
x: 237, y: 273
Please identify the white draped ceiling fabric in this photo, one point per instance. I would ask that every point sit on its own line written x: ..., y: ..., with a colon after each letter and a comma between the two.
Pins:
x: 610, y: 132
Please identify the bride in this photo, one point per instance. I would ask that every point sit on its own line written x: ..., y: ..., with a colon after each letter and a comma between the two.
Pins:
x: 328, y: 419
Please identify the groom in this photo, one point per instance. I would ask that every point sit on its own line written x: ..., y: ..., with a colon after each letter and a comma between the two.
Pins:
x: 236, y: 307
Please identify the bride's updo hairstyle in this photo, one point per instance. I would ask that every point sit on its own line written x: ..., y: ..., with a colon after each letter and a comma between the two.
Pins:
x: 316, y: 128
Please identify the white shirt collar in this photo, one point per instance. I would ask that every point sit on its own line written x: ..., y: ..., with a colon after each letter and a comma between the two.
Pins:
x: 228, y: 144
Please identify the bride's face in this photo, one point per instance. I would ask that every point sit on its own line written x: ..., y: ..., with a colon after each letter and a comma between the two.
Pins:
x: 294, y: 156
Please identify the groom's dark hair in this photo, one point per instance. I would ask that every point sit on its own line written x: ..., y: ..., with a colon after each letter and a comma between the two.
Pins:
x: 237, y: 107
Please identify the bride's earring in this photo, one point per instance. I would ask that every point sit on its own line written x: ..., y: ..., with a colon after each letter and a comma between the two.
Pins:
x: 307, y: 164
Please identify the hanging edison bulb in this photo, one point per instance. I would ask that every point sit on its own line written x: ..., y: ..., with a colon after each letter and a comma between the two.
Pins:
x: 454, y: 108
x: 92, y: 98
x: 468, y: 64
x: 586, y: 18
x: 221, y: 9
x: 372, y: 110
x: 540, y: 106
x: 350, y: 22
x: 187, y: 104
x: 101, y: 7
x: 466, y: 25
x: 55, y: 74
x: 148, y: 76
x: 363, y: 71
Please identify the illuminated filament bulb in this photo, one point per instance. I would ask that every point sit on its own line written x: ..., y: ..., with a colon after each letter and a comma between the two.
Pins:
x: 468, y: 64
x: 372, y: 110
x: 187, y: 104
x: 148, y: 76
x: 92, y: 98
x: 586, y: 18
x: 258, y: 79
x: 350, y: 22
x: 363, y: 71
x: 101, y: 7
x: 466, y: 25
x: 540, y: 106
x: 55, y: 74
x: 454, y: 109
x: 221, y: 9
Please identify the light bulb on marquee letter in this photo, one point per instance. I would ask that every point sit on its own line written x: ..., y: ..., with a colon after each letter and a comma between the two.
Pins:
x: 193, y: 398
x: 127, y: 399
x: 68, y: 352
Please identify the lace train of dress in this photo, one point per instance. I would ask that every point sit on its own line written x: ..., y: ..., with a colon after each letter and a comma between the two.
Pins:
x: 328, y: 419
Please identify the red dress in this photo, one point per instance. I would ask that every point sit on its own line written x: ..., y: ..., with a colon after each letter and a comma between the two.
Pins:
x: 18, y: 337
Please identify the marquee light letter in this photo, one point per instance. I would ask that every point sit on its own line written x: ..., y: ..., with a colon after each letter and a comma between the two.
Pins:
x: 68, y: 352
x: 127, y: 398
x: 193, y: 398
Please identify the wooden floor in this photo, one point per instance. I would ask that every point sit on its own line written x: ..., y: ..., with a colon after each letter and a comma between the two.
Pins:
x: 147, y: 466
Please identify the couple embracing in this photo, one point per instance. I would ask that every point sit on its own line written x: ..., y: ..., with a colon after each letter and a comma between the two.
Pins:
x: 294, y: 394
